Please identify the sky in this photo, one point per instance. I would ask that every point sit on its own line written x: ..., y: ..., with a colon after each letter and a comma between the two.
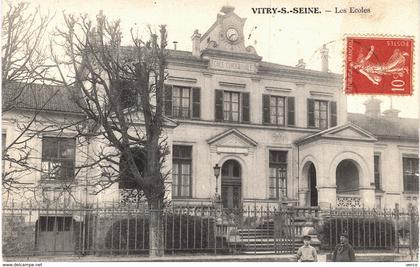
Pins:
x: 280, y: 38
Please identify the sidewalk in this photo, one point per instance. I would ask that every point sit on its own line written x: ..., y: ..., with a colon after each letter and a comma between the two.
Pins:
x: 360, y: 257
x: 169, y: 258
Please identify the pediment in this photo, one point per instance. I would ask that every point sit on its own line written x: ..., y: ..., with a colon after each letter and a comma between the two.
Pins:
x: 348, y: 132
x: 232, y: 138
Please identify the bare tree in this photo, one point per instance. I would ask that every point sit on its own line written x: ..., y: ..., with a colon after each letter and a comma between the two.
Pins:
x: 23, y: 48
x: 122, y: 96
x: 24, y: 64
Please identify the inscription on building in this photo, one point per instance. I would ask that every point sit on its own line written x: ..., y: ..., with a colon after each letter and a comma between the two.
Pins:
x: 232, y: 65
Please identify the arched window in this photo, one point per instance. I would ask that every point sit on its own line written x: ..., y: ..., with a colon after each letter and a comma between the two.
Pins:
x: 347, y: 177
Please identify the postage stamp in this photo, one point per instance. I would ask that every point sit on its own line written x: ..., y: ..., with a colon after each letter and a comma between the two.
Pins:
x: 379, y: 65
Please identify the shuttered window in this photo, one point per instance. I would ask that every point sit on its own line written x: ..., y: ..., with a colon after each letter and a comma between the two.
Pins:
x: 291, y: 111
x: 333, y: 115
x: 278, y: 110
x: 322, y: 114
x: 232, y: 106
x: 182, y: 102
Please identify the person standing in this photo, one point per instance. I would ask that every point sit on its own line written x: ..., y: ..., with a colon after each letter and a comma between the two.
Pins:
x: 344, y: 252
x: 307, y: 253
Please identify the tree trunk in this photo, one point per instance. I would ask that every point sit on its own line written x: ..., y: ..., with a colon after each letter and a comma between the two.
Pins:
x: 156, y: 232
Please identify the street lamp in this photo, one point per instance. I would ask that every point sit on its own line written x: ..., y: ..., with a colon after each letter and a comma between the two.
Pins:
x: 216, y: 170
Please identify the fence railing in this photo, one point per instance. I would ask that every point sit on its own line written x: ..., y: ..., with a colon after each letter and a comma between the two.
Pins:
x: 370, y: 229
x: 124, y: 229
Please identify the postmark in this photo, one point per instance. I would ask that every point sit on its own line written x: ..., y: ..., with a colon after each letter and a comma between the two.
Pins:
x: 379, y: 65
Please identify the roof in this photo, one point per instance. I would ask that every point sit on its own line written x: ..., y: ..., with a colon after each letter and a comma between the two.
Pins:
x: 269, y: 66
x: 39, y: 96
x: 263, y: 66
x: 385, y: 127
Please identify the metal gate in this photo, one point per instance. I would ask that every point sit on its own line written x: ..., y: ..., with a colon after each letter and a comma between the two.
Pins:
x: 55, y: 235
x: 255, y: 231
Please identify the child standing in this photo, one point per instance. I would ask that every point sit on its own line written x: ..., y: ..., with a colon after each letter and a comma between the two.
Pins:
x: 307, y: 253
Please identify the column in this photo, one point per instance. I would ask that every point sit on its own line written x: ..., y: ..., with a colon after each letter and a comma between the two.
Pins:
x: 327, y: 196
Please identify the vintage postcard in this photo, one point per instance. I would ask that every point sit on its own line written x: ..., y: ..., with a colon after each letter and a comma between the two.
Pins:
x: 202, y: 131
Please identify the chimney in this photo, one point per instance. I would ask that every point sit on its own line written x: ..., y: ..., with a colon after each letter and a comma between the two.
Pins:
x: 301, y: 64
x: 175, y: 43
x: 391, y: 112
x: 227, y: 9
x: 196, y: 43
x: 324, y: 58
x: 373, y: 107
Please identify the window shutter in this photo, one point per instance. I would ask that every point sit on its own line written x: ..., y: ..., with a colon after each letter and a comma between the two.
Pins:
x: 245, y: 107
x: 311, y: 115
x: 218, y: 114
x: 266, y: 109
x: 196, y: 103
x: 333, y: 115
x: 291, y: 111
x: 168, y: 100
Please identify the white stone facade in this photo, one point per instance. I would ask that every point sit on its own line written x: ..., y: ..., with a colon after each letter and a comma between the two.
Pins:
x: 219, y: 61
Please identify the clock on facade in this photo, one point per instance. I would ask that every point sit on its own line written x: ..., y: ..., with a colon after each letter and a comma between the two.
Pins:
x: 232, y: 34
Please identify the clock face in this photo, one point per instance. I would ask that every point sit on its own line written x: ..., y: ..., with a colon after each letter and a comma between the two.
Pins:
x: 232, y: 34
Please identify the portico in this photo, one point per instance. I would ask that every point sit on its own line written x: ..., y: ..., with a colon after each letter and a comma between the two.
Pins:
x: 336, y: 168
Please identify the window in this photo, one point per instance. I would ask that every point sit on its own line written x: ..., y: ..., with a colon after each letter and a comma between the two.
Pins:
x: 182, y: 102
x: 278, y: 174
x: 377, y: 172
x: 318, y: 114
x: 181, y: 171
x: 278, y: 110
x: 58, y: 157
x: 232, y: 106
x: 411, y: 174
x: 127, y: 94
x: 127, y: 180
x: 55, y: 223
x: 277, y: 115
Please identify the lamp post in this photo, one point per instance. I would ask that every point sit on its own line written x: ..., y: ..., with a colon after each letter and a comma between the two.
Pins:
x: 216, y: 170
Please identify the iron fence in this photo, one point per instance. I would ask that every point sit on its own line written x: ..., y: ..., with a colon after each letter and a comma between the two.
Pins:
x: 118, y: 229
x: 371, y: 229
x: 124, y: 230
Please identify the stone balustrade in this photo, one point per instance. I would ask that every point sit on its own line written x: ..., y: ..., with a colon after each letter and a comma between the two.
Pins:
x: 349, y: 201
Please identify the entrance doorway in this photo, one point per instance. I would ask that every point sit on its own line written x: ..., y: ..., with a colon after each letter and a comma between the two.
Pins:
x: 313, y: 192
x: 231, y: 184
x: 55, y: 234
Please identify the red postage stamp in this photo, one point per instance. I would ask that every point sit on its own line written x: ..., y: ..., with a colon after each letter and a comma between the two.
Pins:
x: 376, y: 65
